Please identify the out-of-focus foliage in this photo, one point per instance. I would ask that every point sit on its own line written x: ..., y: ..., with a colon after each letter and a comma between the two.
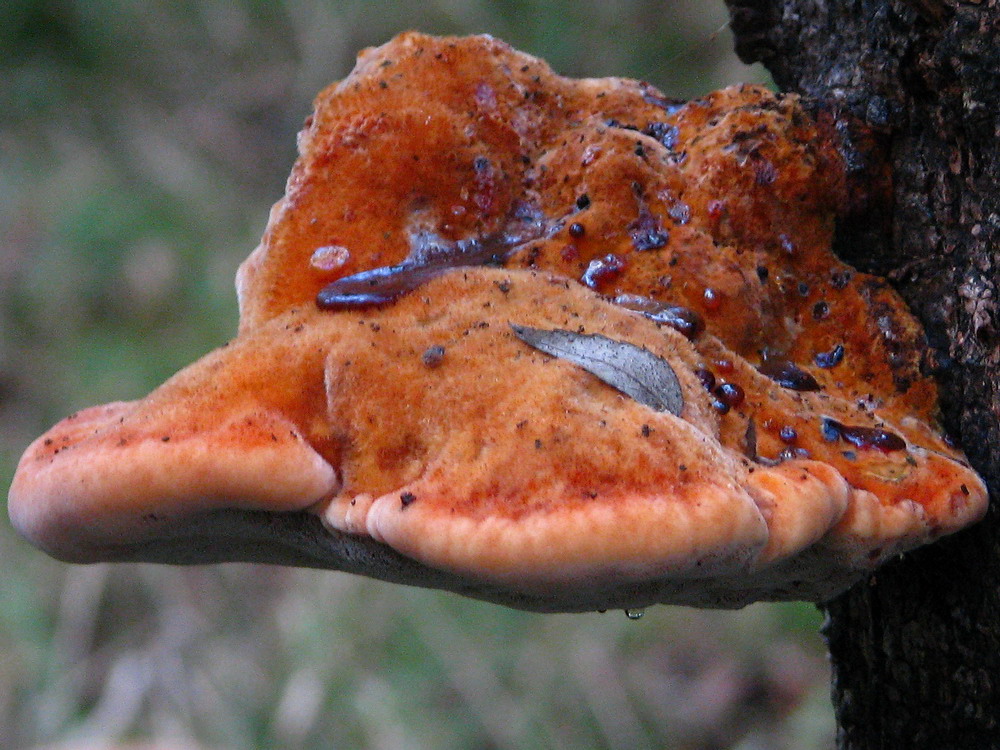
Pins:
x: 141, y: 144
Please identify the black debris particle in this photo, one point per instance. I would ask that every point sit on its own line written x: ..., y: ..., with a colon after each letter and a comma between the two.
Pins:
x: 433, y: 356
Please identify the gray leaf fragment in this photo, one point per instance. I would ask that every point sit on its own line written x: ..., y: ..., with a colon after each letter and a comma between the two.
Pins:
x: 636, y: 372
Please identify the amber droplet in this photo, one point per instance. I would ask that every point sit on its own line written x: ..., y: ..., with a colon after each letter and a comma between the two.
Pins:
x: 329, y: 257
x: 601, y: 270
x: 712, y: 299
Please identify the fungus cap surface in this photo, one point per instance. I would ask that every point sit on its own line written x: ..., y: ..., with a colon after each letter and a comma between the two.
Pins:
x: 560, y: 344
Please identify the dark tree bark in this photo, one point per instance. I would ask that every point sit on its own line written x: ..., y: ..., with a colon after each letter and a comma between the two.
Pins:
x: 916, y: 649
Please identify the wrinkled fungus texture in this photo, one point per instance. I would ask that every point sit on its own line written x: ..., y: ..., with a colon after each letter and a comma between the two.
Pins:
x: 452, y: 192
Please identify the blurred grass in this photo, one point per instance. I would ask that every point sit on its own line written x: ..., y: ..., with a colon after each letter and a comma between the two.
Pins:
x: 140, y: 147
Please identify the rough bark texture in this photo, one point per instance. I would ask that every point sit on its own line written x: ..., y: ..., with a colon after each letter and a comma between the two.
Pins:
x: 916, y: 649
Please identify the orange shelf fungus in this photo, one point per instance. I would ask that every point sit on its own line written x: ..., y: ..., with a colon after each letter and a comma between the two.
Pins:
x: 560, y: 344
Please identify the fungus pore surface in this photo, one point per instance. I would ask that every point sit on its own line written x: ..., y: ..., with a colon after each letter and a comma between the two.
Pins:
x: 561, y: 344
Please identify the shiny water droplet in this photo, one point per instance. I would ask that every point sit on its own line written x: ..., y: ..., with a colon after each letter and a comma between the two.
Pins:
x: 634, y: 614
x: 329, y: 257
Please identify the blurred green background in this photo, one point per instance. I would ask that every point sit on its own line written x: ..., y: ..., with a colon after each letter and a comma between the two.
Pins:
x: 141, y: 145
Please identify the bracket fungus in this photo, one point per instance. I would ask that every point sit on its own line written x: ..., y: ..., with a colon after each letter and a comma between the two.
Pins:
x: 559, y: 344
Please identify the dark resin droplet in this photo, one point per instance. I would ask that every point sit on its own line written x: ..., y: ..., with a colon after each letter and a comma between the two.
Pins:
x: 788, y: 434
x: 433, y: 356
x: 788, y: 375
x: 870, y: 437
x: 830, y: 430
x: 840, y: 279
x: 646, y: 232
x: 764, y: 172
x: 789, y: 453
x: 831, y: 358
x: 730, y: 394
x: 378, y: 286
x: 654, y: 97
x: 430, y: 257
x: 664, y: 133
x: 862, y: 437
x: 707, y: 378
x: 680, y: 212
x: 682, y: 319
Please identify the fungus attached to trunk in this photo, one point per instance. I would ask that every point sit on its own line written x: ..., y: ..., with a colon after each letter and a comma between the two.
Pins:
x: 559, y: 344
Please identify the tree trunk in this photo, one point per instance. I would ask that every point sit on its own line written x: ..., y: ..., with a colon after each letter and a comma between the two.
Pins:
x: 916, y: 649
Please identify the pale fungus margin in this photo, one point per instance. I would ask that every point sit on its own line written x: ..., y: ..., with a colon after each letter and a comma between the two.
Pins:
x: 559, y: 344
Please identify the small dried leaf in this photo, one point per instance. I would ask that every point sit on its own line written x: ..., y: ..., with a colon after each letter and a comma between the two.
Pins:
x: 636, y: 372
